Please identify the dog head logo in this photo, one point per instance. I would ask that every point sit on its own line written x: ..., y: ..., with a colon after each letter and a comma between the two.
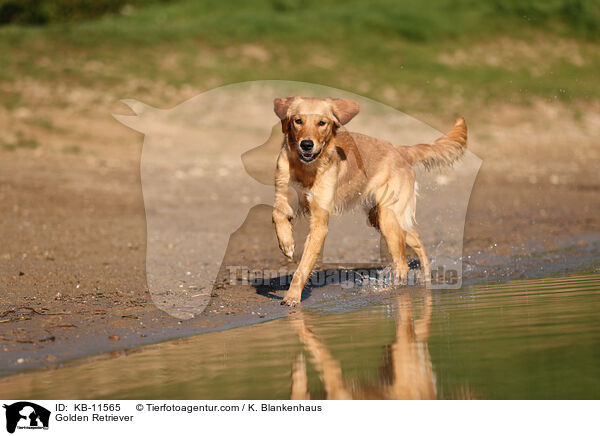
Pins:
x: 26, y: 415
x: 209, y: 162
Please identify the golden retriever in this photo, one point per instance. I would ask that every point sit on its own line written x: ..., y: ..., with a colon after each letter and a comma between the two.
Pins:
x: 333, y: 169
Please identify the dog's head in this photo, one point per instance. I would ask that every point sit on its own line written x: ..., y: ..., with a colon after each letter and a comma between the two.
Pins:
x: 311, y: 123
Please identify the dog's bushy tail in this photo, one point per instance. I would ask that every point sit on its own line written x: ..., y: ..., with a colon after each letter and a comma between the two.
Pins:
x: 443, y: 151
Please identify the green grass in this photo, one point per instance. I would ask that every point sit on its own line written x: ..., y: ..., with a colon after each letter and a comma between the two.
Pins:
x: 368, y: 48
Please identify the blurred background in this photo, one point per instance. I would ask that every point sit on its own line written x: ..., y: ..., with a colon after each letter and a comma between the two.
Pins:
x: 496, y: 61
x: 431, y: 57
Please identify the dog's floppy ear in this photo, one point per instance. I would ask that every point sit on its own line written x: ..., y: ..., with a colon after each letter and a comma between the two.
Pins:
x: 343, y: 109
x: 281, y: 106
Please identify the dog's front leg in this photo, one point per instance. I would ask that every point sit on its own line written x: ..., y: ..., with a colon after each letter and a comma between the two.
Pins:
x: 320, y: 206
x: 282, y: 210
x: 312, y: 247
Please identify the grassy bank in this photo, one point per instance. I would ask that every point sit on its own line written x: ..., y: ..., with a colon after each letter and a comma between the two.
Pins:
x: 414, y: 55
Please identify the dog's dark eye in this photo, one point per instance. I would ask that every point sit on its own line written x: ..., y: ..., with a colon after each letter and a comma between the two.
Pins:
x: 322, y: 123
x: 298, y: 121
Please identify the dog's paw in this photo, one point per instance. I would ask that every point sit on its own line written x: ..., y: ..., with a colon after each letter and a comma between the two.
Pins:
x: 291, y: 300
x: 400, y: 277
x: 287, y: 248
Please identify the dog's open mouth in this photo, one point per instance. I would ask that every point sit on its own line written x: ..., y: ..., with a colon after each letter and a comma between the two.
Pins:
x: 308, y: 157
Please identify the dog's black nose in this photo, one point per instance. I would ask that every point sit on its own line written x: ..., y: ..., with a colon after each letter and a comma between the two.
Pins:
x: 306, y: 145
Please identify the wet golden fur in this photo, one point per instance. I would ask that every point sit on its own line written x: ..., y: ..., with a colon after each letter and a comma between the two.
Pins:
x: 344, y: 169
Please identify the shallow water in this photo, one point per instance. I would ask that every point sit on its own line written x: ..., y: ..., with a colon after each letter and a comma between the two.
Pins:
x: 530, y: 339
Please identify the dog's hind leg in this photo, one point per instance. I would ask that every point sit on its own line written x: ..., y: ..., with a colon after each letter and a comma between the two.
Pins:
x: 414, y: 241
x: 394, y: 238
x: 395, y: 201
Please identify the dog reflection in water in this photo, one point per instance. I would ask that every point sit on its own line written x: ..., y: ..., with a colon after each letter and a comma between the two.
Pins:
x: 406, y: 374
